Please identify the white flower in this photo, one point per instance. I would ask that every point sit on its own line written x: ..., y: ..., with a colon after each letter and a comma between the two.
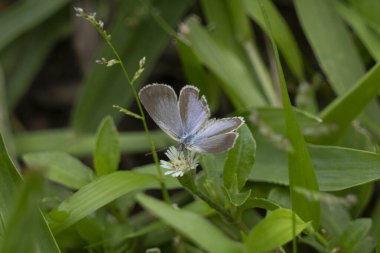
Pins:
x: 179, y: 162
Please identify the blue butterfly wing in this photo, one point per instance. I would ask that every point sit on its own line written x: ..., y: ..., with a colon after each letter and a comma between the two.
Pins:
x: 216, y: 135
x: 160, y: 101
x: 194, y: 111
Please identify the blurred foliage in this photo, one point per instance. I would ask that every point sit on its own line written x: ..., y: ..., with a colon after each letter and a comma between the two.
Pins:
x: 307, y: 157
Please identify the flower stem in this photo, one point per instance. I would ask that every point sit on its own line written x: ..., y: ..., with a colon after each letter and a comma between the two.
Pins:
x: 164, y: 190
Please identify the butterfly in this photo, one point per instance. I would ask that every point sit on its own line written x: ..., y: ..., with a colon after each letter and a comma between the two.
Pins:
x: 187, y: 119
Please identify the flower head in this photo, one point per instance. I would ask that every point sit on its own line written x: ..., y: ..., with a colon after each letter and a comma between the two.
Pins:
x: 179, y: 162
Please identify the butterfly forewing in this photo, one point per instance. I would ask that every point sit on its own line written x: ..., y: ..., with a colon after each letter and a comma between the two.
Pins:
x: 160, y: 101
x: 194, y: 111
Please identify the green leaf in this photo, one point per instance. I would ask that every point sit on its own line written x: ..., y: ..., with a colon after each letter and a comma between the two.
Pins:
x: 336, y: 168
x: 240, y: 159
x: 25, y: 218
x: 107, y: 148
x: 334, y: 48
x: 347, y: 107
x: 353, y: 234
x: 132, y: 32
x: 23, y: 16
x: 191, y: 225
x: 237, y: 197
x: 96, y: 194
x: 10, y: 181
x: 368, y: 36
x: 61, y: 168
x: 226, y: 65
x: 83, y: 144
x: 368, y: 9
x: 10, y: 184
x: 281, y: 34
x: 275, y: 230
x: 256, y: 202
x: 300, y: 167
x: 329, y: 38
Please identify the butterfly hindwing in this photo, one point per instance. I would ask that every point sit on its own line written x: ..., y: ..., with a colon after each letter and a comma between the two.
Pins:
x: 216, y: 135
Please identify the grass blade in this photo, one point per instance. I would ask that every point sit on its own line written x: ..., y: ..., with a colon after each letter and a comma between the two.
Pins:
x: 193, y: 226
x: 334, y: 49
x: 343, y: 110
x: 97, y: 194
x: 67, y: 141
x: 281, y: 34
x: 10, y: 185
x: 60, y: 167
x: 228, y: 67
x: 300, y: 167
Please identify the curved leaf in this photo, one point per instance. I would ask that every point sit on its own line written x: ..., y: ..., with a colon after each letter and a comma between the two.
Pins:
x: 273, y: 231
x: 97, y: 194
x: 191, y: 225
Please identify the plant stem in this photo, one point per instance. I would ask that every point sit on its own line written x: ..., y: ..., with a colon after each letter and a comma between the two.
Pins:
x: 188, y: 181
x: 164, y: 190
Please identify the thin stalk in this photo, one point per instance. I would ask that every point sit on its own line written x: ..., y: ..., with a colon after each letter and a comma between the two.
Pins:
x: 107, y: 38
x: 164, y: 190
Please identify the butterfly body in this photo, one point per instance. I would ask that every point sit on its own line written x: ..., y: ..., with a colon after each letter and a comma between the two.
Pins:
x: 186, y: 119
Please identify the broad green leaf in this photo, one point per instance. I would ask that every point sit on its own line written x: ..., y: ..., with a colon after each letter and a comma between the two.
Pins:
x: 240, y: 159
x: 273, y: 231
x: 10, y: 181
x: 334, y: 49
x: 60, y: 168
x: 353, y: 234
x: 97, y: 194
x: 368, y: 36
x: 300, y: 167
x: 275, y: 119
x: 210, y: 180
x: 334, y: 218
x: 230, y: 26
x: 23, y: 16
x: 347, y: 107
x: 228, y: 67
x: 336, y: 168
x: 133, y: 31
x: 191, y: 225
x: 331, y: 43
x: 281, y: 34
x: 24, y: 221
x: 83, y: 144
x: 10, y: 187
x: 107, y: 148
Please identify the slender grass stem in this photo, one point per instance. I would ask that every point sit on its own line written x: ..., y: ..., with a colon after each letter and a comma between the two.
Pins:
x: 107, y: 38
x: 164, y: 190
